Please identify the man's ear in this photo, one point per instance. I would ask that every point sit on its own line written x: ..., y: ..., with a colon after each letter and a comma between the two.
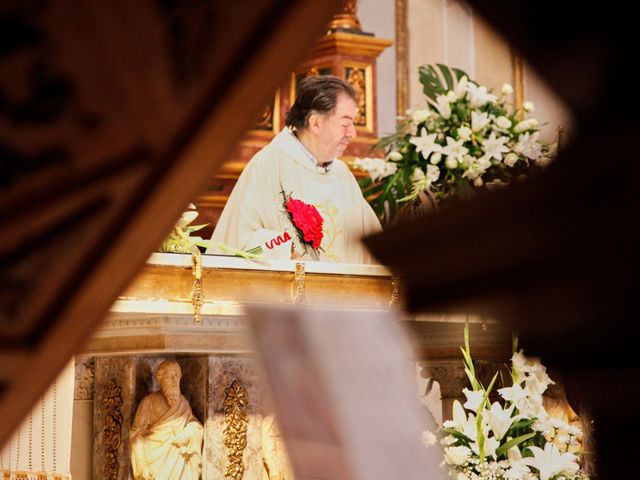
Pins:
x: 314, y: 122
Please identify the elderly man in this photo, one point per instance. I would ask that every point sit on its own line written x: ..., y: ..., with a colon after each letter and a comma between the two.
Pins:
x: 301, y: 162
x: 166, y: 439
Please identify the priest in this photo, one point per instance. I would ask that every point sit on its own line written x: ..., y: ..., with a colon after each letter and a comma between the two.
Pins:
x: 301, y: 163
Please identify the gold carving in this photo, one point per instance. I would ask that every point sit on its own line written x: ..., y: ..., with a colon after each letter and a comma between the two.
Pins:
x: 235, y: 431
x: 356, y: 77
x: 298, y: 280
x: 112, y: 430
x: 197, y: 295
x: 346, y: 17
x: 402, y: 58
x: 395, y: 294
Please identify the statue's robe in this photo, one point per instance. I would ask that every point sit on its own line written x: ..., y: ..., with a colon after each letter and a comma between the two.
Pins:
x: 152, y: 437
x: 255, y: 209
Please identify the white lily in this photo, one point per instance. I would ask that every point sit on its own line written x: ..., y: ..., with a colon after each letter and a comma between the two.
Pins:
x: 515, y: 394
x: 455, y: 149
x: 478, y: 96
x: 494, y: 147
x: 490, y: 447
x: 499, y: 419
x: 474, y: 399
x: 550, y: 461
x: 462, y: 423
x: 426, y: 143
x: 443, y: 106
x: 528, y: 145
x: 461, y: 88
x: 479, y: 120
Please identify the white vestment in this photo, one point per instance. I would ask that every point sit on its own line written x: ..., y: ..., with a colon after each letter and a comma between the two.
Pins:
x: 154, y: 454
x: 255, y: 209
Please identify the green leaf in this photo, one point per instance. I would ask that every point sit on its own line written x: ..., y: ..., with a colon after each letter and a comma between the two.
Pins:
x: 195, y: 228
x: 513, y: 442
x: 439, y: 79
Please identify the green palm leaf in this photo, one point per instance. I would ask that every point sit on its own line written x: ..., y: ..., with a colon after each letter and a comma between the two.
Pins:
x: 438, y: 79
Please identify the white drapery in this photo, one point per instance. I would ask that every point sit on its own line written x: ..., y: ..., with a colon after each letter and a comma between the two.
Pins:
x: 41, y: 448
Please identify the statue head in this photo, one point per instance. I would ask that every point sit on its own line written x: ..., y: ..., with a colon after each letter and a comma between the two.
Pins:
x: 168, y: 375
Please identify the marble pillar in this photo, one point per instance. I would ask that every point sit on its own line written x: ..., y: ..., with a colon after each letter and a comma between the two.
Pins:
x: 114, y: 407
x: 223, y: 371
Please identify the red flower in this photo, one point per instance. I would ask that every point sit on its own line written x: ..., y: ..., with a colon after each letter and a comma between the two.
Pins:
x: 307, y: 219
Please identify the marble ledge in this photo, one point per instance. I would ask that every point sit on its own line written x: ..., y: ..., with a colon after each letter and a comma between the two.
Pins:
x: 225, y: 261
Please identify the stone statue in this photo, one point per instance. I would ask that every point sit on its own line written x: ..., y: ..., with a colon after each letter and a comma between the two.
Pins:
x: 275, y: 462
x: 166, y: 439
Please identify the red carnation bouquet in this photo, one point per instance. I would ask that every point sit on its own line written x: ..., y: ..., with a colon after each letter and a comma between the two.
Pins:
x: 307, y: 222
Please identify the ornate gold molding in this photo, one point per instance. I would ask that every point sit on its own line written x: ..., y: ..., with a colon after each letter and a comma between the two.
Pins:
x: 299, y: 295
x: 354, y: 44
x: 402, y: 58
x: 197, y: 295
x: 235, y: 430
x: 112, y: 429
x: 395, y: 294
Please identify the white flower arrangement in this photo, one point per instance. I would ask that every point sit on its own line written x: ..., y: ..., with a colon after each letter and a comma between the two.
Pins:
x: 466, y: 137
x: 515, y: 439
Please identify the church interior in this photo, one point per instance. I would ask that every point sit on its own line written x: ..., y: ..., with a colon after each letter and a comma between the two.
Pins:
x: 117, y: 117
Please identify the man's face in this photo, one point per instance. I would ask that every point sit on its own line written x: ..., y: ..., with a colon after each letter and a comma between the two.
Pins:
x: 336, y: 128
x: 170, y: 382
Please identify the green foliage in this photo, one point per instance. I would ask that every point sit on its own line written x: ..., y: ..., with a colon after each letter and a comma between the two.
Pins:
x: 180, y: 239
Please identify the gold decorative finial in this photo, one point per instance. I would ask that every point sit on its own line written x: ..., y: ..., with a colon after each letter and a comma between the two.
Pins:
x: 298, y: 280
x: 346, y: 18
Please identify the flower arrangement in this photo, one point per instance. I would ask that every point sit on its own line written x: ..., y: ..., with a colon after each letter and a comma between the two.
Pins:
x: 180, y: 239
x: 307, y: 223
x: 515, y: 439
x: 466, y: 138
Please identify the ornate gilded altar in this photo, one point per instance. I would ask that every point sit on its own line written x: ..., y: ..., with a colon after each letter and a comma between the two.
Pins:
x: 154, y: 320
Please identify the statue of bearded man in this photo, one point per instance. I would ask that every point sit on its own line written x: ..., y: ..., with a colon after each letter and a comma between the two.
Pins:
x: 166, y: 439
